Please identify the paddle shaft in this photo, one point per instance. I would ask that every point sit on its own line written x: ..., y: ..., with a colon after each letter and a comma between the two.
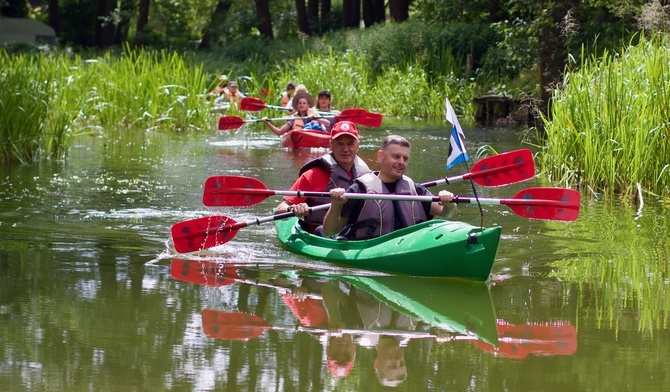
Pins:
x: 358, y: 116
x: 255, y: 105
x: 287, y: 109
x: 259, y: 325
x: 281, y: 289
x: 222, y: 228
x: 376, y: 196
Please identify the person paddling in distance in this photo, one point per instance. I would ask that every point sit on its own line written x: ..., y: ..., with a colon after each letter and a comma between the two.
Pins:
x: 336, y: 169
x: 231, y: 93
x: 323, y: 104
x: 303, y: 103
x: 220, y: 88
x: 288, y: 93
x: 372, y: 218
x: 290, y: 105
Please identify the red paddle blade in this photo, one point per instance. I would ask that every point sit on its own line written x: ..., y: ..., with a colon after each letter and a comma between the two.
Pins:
x: 372, y: 120
x: 206, y: 273
x: 203, y: 233
x: 353, y: 115
x: 252, y: 104
x: 519, y: 341
x: 232, y: 325
x: 504, y: 169
x: 546, y: 203
x: 232, y: 191
x: 227, y: 123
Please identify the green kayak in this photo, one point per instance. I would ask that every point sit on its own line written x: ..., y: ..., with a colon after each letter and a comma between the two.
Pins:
x: 438, y: 248
x: 457, y: 306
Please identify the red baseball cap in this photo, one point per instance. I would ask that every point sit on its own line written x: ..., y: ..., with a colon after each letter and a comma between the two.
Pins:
x: 344, y: 128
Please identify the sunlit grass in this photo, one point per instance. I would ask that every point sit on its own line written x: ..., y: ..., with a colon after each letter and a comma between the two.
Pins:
x: 610, y: 124
x: 45, y: 99
x: 404, y: 91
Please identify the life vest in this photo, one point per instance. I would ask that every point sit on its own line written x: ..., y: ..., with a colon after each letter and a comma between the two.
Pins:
x: 338, y: 179
x: 298, y: 123
x: 377, y: 216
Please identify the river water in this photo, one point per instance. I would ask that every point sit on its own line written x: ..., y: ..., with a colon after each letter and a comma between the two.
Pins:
x: 93, y: 298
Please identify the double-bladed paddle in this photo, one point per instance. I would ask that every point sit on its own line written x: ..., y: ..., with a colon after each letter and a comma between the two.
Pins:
x: 358, y: 116
x: 493, y: 171
x: 197, y: 234
x: 515, y: 341
x: 252, y: 104
x: 535, y: 203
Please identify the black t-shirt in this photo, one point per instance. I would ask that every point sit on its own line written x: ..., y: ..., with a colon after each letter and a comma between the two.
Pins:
x: 352, y: 208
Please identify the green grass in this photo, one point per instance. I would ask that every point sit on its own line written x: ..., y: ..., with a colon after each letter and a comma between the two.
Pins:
x: 45, y: 99
x: 609, y: 126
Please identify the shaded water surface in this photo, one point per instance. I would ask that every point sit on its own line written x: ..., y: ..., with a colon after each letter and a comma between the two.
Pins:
x: 93, y: 298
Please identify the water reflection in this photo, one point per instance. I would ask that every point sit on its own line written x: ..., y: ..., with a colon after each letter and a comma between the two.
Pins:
x: 350, y: 314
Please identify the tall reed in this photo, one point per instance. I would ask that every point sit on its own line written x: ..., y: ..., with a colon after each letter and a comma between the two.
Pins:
x: 609, y: 125
x: 35, y: 120
x: 403, y: 91
x: 45, y: 99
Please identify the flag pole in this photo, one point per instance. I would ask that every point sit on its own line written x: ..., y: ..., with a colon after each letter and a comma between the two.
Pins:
x: 457, y: 152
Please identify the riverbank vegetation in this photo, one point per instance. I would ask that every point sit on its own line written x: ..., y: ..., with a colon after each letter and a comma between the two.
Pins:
x: 48, y: 99
x: 608, y: 130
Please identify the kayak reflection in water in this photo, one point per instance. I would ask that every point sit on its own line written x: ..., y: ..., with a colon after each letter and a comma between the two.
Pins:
x: 344, y: 307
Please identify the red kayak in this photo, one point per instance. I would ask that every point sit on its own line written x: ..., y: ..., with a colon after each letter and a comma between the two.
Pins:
x: 305, y: 139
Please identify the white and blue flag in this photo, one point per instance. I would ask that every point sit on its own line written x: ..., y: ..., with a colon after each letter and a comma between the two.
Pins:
x: 457, y: 153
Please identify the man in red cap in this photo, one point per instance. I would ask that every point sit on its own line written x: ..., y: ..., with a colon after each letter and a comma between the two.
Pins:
x: 336, y: 169
x: 373, y: 218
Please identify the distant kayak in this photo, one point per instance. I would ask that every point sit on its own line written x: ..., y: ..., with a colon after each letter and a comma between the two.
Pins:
x: 438, y: 248
x: 305, y: 139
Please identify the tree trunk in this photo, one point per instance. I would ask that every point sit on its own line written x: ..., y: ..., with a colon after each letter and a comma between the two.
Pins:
x: 325, y: 9
x: 264, y: 18
x: 374, y: 11
x: 142, y: 21
x: 379, y: 11
x: 212, y: 30
x: 399, y: 10
x: 313, y: 9
x: 303, y: 20
x: 313, y: 15
x: 368, y: 14
x: 351, y: 13
x: 104, y: 29
x: 553, y: 51
x: 495, y: 13
x: 54, y: 16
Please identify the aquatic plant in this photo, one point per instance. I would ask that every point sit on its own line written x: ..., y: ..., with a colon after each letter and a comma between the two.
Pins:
x: 47, y: 98
x: 608, y: 129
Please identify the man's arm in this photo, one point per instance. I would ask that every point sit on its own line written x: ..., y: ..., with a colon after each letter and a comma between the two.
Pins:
x: 315, y: 179
x: 333, y: 222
